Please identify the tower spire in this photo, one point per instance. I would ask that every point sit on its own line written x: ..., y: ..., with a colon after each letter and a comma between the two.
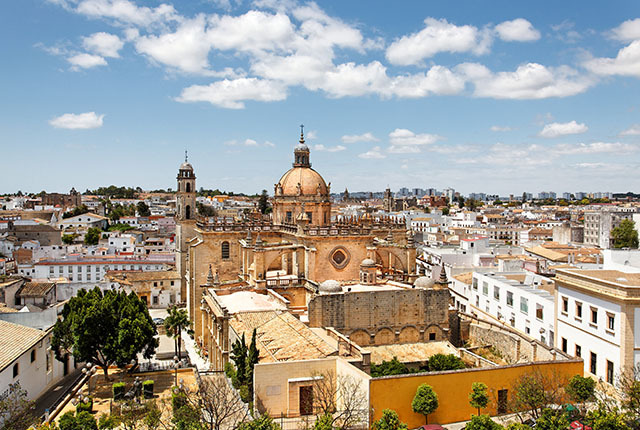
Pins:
x: 301, y: 133
x: 186, y: 157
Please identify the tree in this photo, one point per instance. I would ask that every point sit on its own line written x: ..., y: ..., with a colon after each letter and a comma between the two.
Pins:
x: 244, y: 362
x: 93, y: 236
x: 16, y: 408
x: 389, y: 421
x: 445, y: 210
x: 143, y: 209
x: 478, y: 397
x: 176, y: 321
x: 483, y: 422
x: 105, y: 329
x: 552, y: 420
x: 439, y: 362
x: 425, y: 401
x: 341, y: 398
x: 252, y: 359
x: 68, y: 239
x: 604, y: 418
x: 86, y: 421
x: 263, y: 203
x: 534, y: 391
x: 206, y: 210
x: 391, y: 367
x: 581, y: 389
x: 460, y: 201
x: 221, y: 405
x: 78, y: 210
x: 625, y: 235
x: 264, y: 422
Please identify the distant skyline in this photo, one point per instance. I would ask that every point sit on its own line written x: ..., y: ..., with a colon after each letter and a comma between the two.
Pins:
x: 497, y: 97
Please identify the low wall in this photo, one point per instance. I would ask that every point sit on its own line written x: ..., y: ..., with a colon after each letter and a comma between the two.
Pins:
x: 453, y: 388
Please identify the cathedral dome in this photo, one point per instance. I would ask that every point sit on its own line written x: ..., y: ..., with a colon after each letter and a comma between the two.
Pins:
x: 311, y: 182
x: 186, y: 166
x: 367, y: 262
x: 424, y: 282
x: 330, y: 286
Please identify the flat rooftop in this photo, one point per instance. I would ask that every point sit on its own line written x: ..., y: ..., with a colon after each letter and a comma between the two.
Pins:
x: 248, y: 301
x: 613, y: 276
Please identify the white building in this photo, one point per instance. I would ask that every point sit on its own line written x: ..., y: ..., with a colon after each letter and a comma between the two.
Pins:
x: 598, y: 319
x: 26, y: 358
x: 84, y: 221
x: 517, y: 299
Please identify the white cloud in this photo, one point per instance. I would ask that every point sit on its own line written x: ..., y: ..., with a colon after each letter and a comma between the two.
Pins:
x: 438, y: 80
x: 104, y: 44
x: 249, y: 143
x: 518, y: 30
x: 73, y: 121
x: 354, y: 138
x: 405, y: 141
x: 529, y: 81
x: 627, y: 31
x: 634, y: 130
x: 594, y: 148
x: 437, y: 36
x: 626, y: 63
x: 558, y: 129
x: 231, y: 94
x: 373, y: 153
x: 336, y: 148
x: 500, y: 128
x: 86, y: 61
x: 126, y: 11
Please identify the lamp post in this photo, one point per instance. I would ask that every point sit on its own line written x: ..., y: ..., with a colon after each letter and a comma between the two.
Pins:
x: 89, y: 370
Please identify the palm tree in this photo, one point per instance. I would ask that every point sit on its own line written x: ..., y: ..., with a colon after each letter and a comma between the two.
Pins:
x: 177, y: 321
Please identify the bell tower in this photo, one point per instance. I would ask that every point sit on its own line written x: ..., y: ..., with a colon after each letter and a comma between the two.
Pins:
x: 186, y: 197
x: 185, y: 221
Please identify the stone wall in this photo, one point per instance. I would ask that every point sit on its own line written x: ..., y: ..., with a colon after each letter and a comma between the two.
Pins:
x: 384, y: 317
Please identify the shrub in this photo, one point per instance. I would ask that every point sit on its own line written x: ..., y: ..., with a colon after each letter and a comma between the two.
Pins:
x: 324, y: 422
x: 147, y: 389
x: 483, y: 422
x: 389, y: 421
x: 178, y: 400
x: 425, y: 401
x: 86, y: 421
x: 439, y: 362
x: 118, y: 390
x: 68, y: 422
x: 85, y: 406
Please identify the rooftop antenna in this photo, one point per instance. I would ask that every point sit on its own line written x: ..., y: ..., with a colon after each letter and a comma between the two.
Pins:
x: 186, y: 157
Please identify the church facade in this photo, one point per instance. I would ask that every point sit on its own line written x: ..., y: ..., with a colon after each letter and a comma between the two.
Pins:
x: 290, y: 254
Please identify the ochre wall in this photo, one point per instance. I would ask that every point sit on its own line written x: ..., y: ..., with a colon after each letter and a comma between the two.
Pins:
x: 453, y: 388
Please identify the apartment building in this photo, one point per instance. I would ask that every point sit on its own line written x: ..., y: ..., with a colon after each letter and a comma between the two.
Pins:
x: 598, y: 319
x: 598, y: 226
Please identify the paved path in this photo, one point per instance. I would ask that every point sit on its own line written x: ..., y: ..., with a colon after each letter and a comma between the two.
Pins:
x: 54, y: 393
x: 190, y: 345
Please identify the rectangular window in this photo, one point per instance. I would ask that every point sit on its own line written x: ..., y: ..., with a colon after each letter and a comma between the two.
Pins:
x: 155, y: 300
x: 524, y: 305
x: 33, y: 355
x: 289, y: 216
x: 527, y: 330
x: 578, y: 310
x: 564, y: 345
x: 474, y: 284
x: 155, y: 284
x: 510, y: 299
x: 593, y: 363
x: 565, y: 305
x: 578, y: 351
x: 594, y: 316
x: 609, y: 372
x: 496, y: 293
x: 16, y: 370
x: 503, y: 396
x: 172, y: 283
x: 485, y: 289
x: 539, y: 311
x: 310, y: 216
x: 611, y: 322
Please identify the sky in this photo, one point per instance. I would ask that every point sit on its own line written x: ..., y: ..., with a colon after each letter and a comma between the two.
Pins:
x: 495, y: 96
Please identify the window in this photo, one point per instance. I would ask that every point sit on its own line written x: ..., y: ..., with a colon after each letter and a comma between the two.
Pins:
x: 527, y: 330
x: 539, y: 311
x: 310, y: 216
x: 33, y: 355
x: 225, y: 250
x: 524, y: 305
x: 496, y: 293
x: 578, y: 351
x: 155, y: 300
x: 609, y: 372
x: 155, y: 284
x: 48, y: 355
x: 593, y: 363
x: 594, y: 316
x: 432, y: 336
x: 510, y: 299
x: 485, y: 289
x: 611, y: 322
x: 172, y: 282
x: 503, y: 395
x: 15, y: 370
x: 474, y: 284
x: 578, y: 310
x: 564, y: 345
x: 289, y: 216
x: 565, y: 305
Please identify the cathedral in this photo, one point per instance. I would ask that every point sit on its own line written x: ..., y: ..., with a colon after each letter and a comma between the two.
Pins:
x: 298, y: 252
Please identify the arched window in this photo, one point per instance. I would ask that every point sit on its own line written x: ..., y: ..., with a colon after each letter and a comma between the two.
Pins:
x: 188, y: 187
x: 187, y: 212
x: 225, y: 250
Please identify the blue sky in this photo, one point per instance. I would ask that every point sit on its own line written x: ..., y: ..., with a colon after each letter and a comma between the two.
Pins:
x: 497, y: 97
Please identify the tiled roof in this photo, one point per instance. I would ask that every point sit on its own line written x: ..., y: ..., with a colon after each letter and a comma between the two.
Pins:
x: 35, y: 289
x: 281, y: 336
x: 15, y: 340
